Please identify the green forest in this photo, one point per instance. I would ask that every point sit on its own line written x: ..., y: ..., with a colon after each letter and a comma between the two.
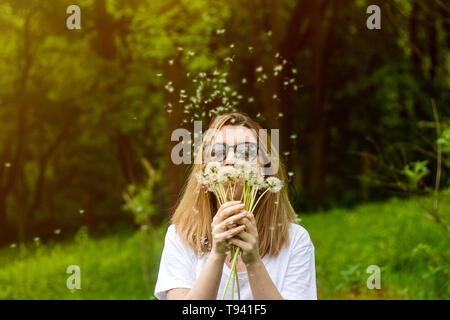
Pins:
x: 89, y: 99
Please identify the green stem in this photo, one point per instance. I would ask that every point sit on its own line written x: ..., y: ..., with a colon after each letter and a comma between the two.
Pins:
x: 253, y: 208
x: 237, y: 282
x: 233, y: 266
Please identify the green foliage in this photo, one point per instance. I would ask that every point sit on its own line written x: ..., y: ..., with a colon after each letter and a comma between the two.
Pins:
x: 391, y: 235
x: 111, y: 268
x: 415, y: 172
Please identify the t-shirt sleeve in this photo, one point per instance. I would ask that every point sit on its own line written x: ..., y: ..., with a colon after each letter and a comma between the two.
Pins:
x: 177, y: 268
x: 300, y: 277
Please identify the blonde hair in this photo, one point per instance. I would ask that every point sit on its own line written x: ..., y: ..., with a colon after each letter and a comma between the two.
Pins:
x: 196, y: 208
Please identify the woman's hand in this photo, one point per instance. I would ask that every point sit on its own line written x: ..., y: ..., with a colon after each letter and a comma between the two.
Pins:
x: 248, y: 241
x: 228, y: 213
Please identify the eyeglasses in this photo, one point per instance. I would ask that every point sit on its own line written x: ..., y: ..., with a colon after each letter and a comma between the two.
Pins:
x: 242, y: 151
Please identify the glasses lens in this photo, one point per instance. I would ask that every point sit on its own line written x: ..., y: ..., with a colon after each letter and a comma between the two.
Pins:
x: 217, y: 152
x: 246, y: 151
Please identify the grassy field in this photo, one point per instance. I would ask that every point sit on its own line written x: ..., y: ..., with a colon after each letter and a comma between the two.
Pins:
x: 411, y: 251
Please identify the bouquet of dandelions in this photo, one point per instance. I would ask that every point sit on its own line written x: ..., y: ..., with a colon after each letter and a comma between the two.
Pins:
x: 222, y: 181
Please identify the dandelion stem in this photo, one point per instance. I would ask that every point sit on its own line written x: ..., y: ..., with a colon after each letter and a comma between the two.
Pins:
x: 253, y: 208
x: 233, y: 266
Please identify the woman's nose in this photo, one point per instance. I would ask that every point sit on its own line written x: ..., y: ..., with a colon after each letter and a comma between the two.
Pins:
x: 230, y: 157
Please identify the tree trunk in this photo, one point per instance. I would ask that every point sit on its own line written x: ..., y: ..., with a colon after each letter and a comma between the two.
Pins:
x: 317, y: 126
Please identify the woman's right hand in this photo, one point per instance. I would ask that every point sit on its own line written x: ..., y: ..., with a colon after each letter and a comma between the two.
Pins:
x: 228, y: 213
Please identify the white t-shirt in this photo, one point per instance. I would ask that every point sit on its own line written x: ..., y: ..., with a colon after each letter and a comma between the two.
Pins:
x: 292, y: 270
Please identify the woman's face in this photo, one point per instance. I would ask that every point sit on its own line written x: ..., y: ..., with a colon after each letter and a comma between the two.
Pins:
x: 242, y: 137
x: 246, y: 143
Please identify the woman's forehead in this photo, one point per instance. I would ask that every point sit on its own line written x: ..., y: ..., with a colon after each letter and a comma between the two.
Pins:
x: 235, y: 134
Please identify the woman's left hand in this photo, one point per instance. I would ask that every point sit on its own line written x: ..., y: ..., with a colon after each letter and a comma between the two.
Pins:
x: 248, y: 241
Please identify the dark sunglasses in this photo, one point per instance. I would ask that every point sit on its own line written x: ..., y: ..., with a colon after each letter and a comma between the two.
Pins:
x: 242, y: 151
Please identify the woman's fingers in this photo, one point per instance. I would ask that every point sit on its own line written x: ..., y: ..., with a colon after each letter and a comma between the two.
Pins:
x: 233, y: 219
x: 240, y: 243
x: 229, y: 233
x: 225, y: 213
x: 228, y: 204
x: 251, y: 226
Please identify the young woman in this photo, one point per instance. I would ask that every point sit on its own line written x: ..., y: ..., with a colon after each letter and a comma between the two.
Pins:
x: 277, y: 255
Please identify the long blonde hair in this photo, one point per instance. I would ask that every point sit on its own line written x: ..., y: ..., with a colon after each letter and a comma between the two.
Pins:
x: 196, y: 208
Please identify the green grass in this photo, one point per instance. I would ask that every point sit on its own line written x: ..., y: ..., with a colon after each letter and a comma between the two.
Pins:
x: 411, y: 250
x: 111, y: 268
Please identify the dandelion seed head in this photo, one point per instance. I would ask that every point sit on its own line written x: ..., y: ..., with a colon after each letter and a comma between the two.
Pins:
x: 274, y: 184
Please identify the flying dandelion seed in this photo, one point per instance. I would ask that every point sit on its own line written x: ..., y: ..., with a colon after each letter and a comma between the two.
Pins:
x: 244, y: 81
x: 294, y: 70
x: 250, y: 48
x: 269, y: 33
x: 290, y: 173
x: 293, y: 136
x: 180, y: 48
x: 171, y: 62
x: 277, y: 55
x: 13, y: 245
x: 7, y: 164
x: 258, y: 115
x: 81, y: 211
x: 159, y: 74
x: 251, y: 99
x: 278, y: 68
x: 280, y: 115
x: 228, y: 60
x: 295, y: 87
x: 232, y: 45
x: 220, y: 31
x: 259, y: 69
x: 191, y: 53
x: 286, y: 153
x: 275, y: 97
x: 57, y: 231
